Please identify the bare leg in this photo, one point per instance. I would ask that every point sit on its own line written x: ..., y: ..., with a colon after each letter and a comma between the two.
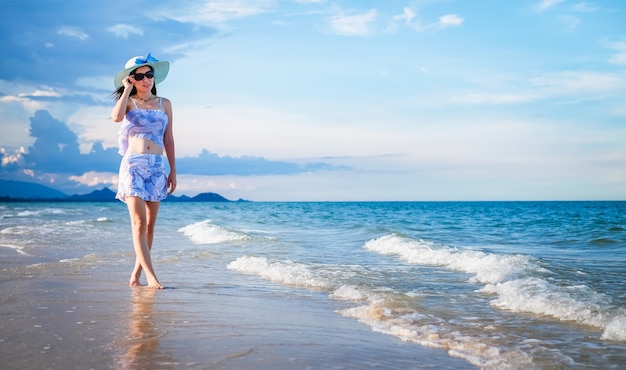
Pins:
x: 143, y: 218
x: 152, y: 209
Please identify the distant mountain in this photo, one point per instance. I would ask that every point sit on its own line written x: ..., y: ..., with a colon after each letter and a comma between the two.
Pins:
x: 209, y: 197
x: 26, y: 191
x: 103, y: 195
x: 202, y: 197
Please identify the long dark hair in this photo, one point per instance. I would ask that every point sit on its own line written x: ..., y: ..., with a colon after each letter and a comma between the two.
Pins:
x: 117, y: 94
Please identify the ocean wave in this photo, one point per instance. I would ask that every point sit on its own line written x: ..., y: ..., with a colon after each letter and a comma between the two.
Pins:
x: 283, y: 272
x: 17, y: 248
x: 79, y: 223
x: 577, y: 303
x: 534, y: 295
x: 205, y: 232
x: 351, y: 293
x: 386, y: 311
x: 485, y: 267
x: 43, y: 211
x: 47, y: 229
x: 517, y: 282
x: 87, y: 260
x: 616, y: 329
x: 69, y: 260
x: 19, y: 230
x: 430, y: 331
x: 336, y: 279
x: 89, y: 222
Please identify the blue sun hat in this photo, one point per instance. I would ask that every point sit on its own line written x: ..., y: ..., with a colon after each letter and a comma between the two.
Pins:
x: 161, y: 68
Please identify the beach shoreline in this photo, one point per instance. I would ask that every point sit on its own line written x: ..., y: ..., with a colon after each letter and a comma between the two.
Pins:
x: 79, y: 314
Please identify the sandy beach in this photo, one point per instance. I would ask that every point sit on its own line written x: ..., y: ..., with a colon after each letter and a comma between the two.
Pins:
x: 79, y: 314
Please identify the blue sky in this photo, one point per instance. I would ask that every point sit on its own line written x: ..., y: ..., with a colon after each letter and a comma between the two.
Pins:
x: 318, y: 100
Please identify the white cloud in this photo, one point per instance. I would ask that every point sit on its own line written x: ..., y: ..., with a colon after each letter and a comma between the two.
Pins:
x: 620, y: 57
x: 572, y: 22
x: 353, y: 25
x: 584, y: 7
x: 93, y: 178
x: 16, y: 157
x: 546, y: 4
x: 231, y: 187
x: 27, y: 104
x: 493, y: 98
x: 93, y: 124
x: 577, y: 84
x: 269, y: 132
x: 125, y: 30
x: 619, y: 111
x: 31, y: 98
x: 450, y: 20
x: 570, y: 82
x: 49, y: 92
x: 407, y: 15
x: 217, y: 11
x: 231, y: 9
x: 73, y: 32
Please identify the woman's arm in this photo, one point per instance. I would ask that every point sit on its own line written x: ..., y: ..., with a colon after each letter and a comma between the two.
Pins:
x: 121, y: 106
x: 168, y: 142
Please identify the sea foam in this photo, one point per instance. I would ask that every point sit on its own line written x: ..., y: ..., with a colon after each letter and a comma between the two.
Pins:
x: 42, y: 211
x: 18, y: 249
x: 205, y: 232
x: 567, y: 303
x: 283, y: 272
x: 616, y: 329
x: 485, y: 267
x: 384, y: 311
x: 519, y: 283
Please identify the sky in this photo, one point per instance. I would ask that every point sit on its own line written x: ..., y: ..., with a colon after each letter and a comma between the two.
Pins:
x: 320, y: 100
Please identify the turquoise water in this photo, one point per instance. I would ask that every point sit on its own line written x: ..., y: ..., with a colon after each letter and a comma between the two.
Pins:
x: 496, y: 284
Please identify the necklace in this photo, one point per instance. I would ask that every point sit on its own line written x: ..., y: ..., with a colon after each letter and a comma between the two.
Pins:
x: 144, y: 100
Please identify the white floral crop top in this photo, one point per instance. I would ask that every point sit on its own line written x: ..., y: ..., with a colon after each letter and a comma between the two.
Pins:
x: 143, y: 123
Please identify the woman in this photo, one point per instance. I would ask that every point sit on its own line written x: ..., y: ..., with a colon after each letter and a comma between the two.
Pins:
x: 145, y: 133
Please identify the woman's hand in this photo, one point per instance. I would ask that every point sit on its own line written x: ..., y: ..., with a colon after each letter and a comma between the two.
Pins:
x: 171, y: 182
x: 128, y: 82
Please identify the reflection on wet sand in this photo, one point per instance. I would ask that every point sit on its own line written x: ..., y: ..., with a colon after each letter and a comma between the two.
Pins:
x: 143, y: 336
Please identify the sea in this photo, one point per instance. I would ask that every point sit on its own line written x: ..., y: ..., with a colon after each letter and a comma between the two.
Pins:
x: 486, y: 285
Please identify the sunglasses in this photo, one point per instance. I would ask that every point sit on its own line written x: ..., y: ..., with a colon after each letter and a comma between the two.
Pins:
x: 140, y: 76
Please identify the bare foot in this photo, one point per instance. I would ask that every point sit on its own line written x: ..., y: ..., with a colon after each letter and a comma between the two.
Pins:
x: 134, y: 283
x: 135, y: 278
x: 154, y: 284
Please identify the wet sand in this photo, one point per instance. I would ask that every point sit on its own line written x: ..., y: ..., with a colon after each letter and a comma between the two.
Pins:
x: 79, y: 314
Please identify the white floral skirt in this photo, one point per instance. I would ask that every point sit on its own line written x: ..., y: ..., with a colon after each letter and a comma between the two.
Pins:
x: 143, y: 176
